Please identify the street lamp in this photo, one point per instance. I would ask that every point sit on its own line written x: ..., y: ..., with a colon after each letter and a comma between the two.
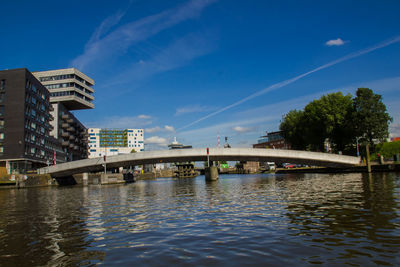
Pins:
x: 358, y: 151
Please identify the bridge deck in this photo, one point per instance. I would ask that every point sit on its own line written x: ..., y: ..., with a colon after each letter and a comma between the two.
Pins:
x: 200, y: 154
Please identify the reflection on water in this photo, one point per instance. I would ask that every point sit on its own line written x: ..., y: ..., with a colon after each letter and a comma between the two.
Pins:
x: 239, y: 220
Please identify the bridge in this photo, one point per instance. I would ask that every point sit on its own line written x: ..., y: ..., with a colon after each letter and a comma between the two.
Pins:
x: 200, y: 154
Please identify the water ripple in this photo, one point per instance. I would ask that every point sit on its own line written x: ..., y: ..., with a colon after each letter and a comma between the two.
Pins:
x: 349, y: 219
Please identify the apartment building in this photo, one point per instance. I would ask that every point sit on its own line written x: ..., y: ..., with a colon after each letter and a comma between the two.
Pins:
x: 69, y: 90
x: 25, y: 123
x: 108, y: 142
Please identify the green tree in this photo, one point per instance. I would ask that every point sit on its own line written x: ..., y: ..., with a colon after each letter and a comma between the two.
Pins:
x: 328, y: 118
x: 133, y: 150
x: 370, y: 118
x: 322, y: 119
x: 292, y: 127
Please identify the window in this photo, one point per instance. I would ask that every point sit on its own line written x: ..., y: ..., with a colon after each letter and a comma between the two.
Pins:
x: 1, y: 110
x: 1, y: 123
x: 2, y: 95
x: 1, y: 136
x: 2, y: 84
x: 1, y: 149
x: 33, y: 150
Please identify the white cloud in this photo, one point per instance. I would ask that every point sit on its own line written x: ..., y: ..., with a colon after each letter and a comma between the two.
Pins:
x: 169, y: 128
x: 155, y: 129
x: 142, y: 116
x: 394, y: 130
x: 156, y: 140
x: 240, y: 129
x: 335, y: 42
x: 152, y: 130
x: 118, y: 41
x: 176, y: 54
x: 192, y: 109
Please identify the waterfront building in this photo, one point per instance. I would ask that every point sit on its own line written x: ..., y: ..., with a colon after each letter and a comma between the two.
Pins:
x: 272, y: 140
x: 25, y: 123
x: 183, y: 169
x: 108, y: 142
x: 69, y: 90
x: 176, y: 145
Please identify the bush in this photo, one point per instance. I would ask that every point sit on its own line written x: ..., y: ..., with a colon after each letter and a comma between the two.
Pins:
x: 388, y: 149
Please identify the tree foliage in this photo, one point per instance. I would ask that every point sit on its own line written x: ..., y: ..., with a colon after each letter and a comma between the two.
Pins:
x: 292, y: 129
x: 327, y: 118
x: 338, y: 118
x: 370, y: 118
x: 388, y: 149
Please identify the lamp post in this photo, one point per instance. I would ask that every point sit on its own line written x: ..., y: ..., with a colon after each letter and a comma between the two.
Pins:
x: 358, y: 151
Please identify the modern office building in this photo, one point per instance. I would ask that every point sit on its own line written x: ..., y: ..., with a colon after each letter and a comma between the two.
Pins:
x: 25, y: 123
x: 108, y: 142
x: 69, y: 90
x: 272, y: 140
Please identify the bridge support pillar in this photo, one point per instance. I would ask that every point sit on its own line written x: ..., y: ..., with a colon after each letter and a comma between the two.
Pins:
x: 104, y: 178
x: 85, y: 178
x: 211, y: 173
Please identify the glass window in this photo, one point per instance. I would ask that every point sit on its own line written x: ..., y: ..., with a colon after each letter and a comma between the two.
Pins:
x: 1, y: 110
x: 1, y: 149
x: 1, y: 136
x: 2, y: 95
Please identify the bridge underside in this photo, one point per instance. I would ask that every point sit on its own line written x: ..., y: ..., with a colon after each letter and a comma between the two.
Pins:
x: 200, y: 155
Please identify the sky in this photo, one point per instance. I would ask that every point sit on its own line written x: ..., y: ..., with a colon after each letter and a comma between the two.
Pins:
x: 199, y: 69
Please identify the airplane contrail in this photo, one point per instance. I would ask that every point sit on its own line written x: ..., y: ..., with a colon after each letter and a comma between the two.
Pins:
x: 292, y: 80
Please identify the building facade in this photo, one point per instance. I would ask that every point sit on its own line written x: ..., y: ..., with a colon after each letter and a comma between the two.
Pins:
x: 69, y: 90
x: 25, y: 123
x: 272, y: 140
x: 108, y: 142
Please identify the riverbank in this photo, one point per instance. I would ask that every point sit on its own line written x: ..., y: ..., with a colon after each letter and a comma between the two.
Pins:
x: 390, y: 167
x: 36, y: 180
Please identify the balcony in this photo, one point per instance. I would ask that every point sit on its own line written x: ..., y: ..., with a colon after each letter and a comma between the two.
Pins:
x: 71, y: 129
x: 64, y: 125
x: 65, y: 143
x: 65, y: 116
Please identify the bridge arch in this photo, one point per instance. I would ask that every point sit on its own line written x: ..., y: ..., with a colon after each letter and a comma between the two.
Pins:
x: 200, y: 154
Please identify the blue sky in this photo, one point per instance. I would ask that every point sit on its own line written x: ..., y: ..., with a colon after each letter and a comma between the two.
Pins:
x: 202, y: 68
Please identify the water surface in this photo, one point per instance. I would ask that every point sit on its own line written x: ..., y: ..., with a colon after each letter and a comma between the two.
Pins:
x: 253, y: 220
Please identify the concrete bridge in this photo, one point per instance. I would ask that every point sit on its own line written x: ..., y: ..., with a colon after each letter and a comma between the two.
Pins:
x: 200, y: 154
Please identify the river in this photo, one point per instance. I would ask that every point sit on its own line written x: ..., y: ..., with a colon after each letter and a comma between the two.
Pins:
x: 239, y: 220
